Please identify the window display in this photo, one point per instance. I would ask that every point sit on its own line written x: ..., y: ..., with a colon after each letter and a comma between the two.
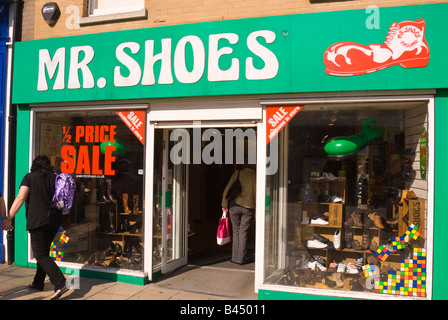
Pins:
x: 346, y: 209
x: 103, y: 150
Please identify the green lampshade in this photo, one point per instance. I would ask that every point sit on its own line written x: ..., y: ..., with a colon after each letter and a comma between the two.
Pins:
x: 345, y: 146
x: 341, y: 146
x: 120, y: 147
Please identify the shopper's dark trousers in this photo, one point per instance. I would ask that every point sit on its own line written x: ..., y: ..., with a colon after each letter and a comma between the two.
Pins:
x: 41, y: 239
x: 241, y: 219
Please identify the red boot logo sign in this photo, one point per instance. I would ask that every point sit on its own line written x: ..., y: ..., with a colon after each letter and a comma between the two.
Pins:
x: 405, y: 45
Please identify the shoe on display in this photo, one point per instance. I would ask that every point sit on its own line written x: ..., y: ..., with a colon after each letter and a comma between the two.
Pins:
x: 341, y: 267
x: 365, y: 241
x: 333, y: 267
x: 356, y: 245
x: 337, y: 239
x: 373, y: 246
x: 356, y: 219
x: 359, y: 262
x: 348, y: 239
x: 315, y: 176
x: 319, y: 221
x: 328, y: 176
x: 349, y: 223
x: 376, y: 218
x: 316, y: 244
x: 315, y: 265
x: 319, y: 259
x: 405, y: 45
x: 351, y: 268
x: 303, y: 264
x: 328, y: 282
x: 390, y: 248
x: 336, y: 199
x: 337, y: 277
x: 317, y: 236
x: 305, y: 220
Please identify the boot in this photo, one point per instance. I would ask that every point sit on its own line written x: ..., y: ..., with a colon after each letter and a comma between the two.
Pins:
x: 135, y: 209
x: 357, y: 219
x: 394, y: 221
x: 101, y: 195
x: 125, y: 204
x: 375, y: 217
x: 109, y: 190
x: 112, y: 219
x: 348, y: 239
x: 405, y: 45
x: 365, y: 241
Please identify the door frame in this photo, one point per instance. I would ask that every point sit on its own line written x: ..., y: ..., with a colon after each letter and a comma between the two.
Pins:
x: 166, y: 125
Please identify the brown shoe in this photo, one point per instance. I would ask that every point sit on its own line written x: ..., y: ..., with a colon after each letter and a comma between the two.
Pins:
x: 375, y: 217
x: 337, y: 277
x: 357, y: 219
x: 350, y: 222
x: 356, y: 245
x: 373, y: 246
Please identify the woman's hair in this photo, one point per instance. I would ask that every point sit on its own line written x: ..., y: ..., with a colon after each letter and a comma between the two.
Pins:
x: 41, y: 163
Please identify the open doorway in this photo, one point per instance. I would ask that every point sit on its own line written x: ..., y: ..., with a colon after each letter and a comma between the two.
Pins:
x: 206, y: 186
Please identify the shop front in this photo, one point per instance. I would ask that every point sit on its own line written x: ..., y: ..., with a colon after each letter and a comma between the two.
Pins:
x: 342, y: 131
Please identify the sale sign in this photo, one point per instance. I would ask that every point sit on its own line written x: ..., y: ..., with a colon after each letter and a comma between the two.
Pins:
x: 135, y: 120
x: 81, y: 150
x: 277, y: 117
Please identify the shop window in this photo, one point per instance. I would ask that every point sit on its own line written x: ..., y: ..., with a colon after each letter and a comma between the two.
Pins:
x: 105, y: 7
x: 104, y: 152
x: 347, y: 208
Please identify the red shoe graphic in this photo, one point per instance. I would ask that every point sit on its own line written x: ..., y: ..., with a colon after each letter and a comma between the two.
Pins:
x: 405, y: 45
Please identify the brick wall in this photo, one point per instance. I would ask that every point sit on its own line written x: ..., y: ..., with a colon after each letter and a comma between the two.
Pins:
x: 172, y: 12
x: 28, y: 20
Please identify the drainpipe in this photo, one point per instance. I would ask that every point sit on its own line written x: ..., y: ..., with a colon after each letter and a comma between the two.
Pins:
x: 15, y: 31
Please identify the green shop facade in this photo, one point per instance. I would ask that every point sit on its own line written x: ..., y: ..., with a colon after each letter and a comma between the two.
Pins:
x: 343, y: 114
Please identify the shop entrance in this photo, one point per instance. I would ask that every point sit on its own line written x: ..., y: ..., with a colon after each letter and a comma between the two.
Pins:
x: 192, y: 175
x: 207, y: 183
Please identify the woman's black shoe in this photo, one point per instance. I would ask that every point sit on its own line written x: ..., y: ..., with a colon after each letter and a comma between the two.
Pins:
x: 34, y: 287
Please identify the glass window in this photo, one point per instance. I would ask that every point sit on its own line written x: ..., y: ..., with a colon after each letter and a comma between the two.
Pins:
x: 104, y: 152
x: 102, y: 7
x: 346, y: 209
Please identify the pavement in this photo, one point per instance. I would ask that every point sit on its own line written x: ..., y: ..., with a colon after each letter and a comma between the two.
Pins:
x: 216, y: 280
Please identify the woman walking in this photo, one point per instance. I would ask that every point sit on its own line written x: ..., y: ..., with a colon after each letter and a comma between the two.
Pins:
x: 42, y: 221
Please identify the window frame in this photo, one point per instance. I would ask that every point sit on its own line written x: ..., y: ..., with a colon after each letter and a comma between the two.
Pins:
x: 91, y: 9
x: 261, y: 184
x: 34, y: 109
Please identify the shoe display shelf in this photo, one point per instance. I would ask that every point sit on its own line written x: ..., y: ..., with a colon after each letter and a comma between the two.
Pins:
x: 323, y: 211
x: 124, y: 231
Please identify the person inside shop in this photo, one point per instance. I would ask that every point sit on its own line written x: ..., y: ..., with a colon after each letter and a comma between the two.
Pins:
x: 42, y: 222
x: 241, y: 210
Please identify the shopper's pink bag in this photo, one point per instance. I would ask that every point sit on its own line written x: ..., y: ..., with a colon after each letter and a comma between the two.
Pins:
x: 223, y: 234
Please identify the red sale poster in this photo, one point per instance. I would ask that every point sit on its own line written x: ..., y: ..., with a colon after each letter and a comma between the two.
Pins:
x: 135, y: 120
x: 277, y: 117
